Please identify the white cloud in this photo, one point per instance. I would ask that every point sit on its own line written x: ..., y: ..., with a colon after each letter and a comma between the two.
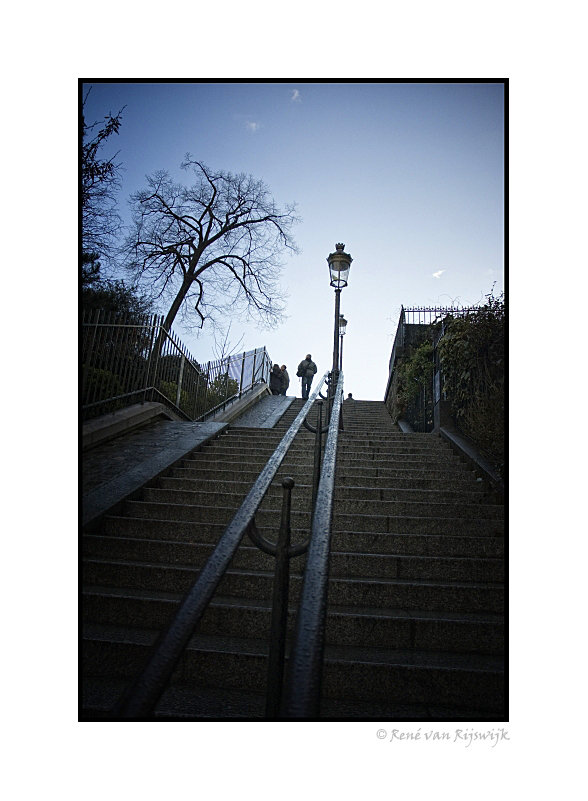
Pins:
x: 296, y: 96
x: 437, y: 275
x: 252, y: 126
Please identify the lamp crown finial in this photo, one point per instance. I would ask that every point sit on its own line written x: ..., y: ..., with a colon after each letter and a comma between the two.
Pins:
x: 340, y: 246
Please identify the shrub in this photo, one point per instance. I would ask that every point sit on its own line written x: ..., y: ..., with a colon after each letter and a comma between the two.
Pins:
x: 472, y: 355
x: 414, y: 370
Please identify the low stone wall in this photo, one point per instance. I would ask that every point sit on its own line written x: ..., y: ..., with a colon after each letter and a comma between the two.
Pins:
x: 108, y: 426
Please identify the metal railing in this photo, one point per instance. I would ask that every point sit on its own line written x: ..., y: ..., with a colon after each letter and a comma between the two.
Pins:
x: 133, y: 359
x: 141, y: 698
x: 421, y: 316
x: 302, y: 699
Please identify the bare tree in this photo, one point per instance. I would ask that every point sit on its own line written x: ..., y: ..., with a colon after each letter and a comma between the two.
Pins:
x: 223, y: 348
x: 100, y: 182
x: 214, y: 248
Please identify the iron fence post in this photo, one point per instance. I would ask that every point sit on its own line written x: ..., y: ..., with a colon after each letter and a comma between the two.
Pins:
x: 242, y: 371
x: 147, y: 369
x: 158, y: 347
x: 183, y: 359
x: 227, y: 382
x: 253, y: 370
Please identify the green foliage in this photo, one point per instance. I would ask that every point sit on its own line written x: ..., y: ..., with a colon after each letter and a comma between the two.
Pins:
x: 218, y: 390
x: 170, y: 364
x: 101, y: 385
x: 414, y: 370
x: 170, y: 390
x: 113, y: 296
x: 472, y: 354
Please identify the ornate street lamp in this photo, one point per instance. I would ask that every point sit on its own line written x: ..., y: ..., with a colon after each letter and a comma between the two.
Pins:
x: 339, y: 266
x: 342, y: 329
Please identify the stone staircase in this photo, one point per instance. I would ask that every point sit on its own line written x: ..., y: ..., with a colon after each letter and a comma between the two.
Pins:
x: 415, y: 619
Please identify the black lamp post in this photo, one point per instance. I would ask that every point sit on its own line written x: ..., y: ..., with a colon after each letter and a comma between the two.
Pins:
x: 342, y: 329
x: 339, y: 267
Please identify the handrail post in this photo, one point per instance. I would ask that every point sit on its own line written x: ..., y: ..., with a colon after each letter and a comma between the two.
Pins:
x: 275, y: 671
x: 253, y: 367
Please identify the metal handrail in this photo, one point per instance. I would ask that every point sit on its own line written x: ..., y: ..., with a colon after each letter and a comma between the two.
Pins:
x: 141, y: 698
x: 302, y: 697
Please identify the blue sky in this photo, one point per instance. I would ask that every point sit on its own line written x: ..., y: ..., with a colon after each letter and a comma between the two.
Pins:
x: 409, y: 176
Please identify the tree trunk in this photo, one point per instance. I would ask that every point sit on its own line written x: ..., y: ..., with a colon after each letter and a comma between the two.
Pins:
x: 171, y: 316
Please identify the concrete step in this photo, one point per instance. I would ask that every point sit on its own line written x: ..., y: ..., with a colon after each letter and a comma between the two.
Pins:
x: 435, y: 446
x: 249, y: 557
x: 210, y: 514
x: 405, y: 524
x: 201, y: 474
x: 224, y: 480
x: 353, y: 674
x: 179, y: 702
x: 458, y: 481
x: 442, y: 545
x: 416, y: 469
x: 255, y: 462
x: 226, y: 616
x: 429, y: 508
x: 350, y: 540
x: 300, y: 498
x: 222, y: 488
x: 363, y: 469
x: 432, y: 505
x: 431, y: 595
x: 398, y: 519
x: 403, y: 468
x: 193, y: 703
x: 257, y: 449
x: 473, y: 493
x: 400, y: 459
x: 343, y: 521
x: 363, y: 674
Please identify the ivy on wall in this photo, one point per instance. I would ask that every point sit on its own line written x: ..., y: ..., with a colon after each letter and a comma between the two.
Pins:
x: 472, y: 358
x: 413, y: 371
x: 472, y: 355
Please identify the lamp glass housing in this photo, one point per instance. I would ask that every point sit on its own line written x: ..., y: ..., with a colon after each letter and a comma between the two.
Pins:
x: 339, y: 266
x: 339, y: 271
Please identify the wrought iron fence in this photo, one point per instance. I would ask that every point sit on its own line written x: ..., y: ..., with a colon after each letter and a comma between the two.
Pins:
x: 412, y: 323
x: 133, y: 359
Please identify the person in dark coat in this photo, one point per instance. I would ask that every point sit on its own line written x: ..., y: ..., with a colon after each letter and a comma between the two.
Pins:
x: 306, y: 371
x: 285, y: 379
x: 276, y: 380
